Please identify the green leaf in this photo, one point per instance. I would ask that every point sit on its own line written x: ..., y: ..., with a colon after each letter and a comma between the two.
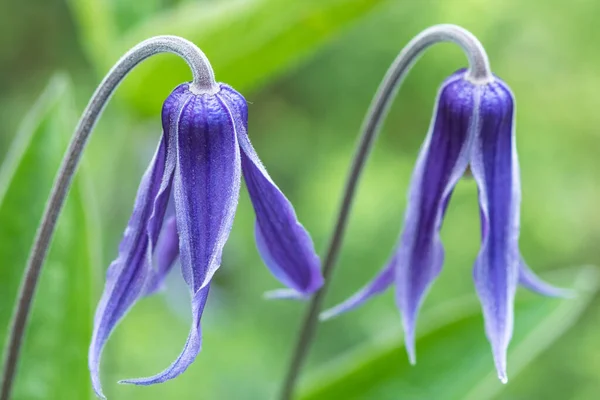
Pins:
x: 453, y: 359
x: 96, y: 28
x: 247, y: 41
x: 53, y: 362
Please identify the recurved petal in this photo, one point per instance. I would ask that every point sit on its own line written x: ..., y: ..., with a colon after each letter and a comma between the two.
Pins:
x: 529, y: 280
x: 165, y: 254
x: 207, y: 184
x: 127, y: 275
x: 284, y: 294
x: 190, y: 350
x: 441, y: 163
x: 494, y: 165
x: 378, y: 285
x: 284, y: 245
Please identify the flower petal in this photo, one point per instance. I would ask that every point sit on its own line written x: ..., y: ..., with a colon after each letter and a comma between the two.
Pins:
x: 284, y: 294
x: 442, y: 161
x: 206, y: 189
x: 165, y: 254
x: 127, y: 276
x: 378, y: 285
x: 172, y: 109
x: 529, y: 280
x: 495, y: 167
x: 283, y: 243
x: 191, y: 349
x: 207, y: 185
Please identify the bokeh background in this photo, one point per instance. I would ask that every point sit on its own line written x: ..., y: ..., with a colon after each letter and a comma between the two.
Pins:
x: 308, y: 69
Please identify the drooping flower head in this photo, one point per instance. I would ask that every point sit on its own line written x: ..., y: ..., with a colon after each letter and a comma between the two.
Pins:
x: 201, y: 156
x: 473, y: 125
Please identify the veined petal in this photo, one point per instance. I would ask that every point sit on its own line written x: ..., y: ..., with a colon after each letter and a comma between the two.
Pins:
x: 495, y: 167
x: 171, y: 112
x: 441, y: 163
x: 165, y: 254
x: 127, y: 276
x: 378, y: 285
x: 206, y: 189
x: 529, y: 280
x: 284, y: 245
x: 207, y: 185
x: 190, y: 350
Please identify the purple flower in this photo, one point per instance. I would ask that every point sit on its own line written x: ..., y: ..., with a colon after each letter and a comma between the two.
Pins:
x: 201, y: 156
x: 473, y: 125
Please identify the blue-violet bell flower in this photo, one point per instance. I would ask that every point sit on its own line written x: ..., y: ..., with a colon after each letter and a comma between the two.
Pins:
x: 203, y: 152
x: 473, y: 125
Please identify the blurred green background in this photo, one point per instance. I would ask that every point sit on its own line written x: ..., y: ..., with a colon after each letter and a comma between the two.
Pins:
x: 309, y: 70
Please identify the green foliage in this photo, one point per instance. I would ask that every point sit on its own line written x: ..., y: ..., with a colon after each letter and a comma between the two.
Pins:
x: 454, y: 359
x: 59, y: 330
x: 96, y: 27
x: 308, y: 69
x: 248, y: 42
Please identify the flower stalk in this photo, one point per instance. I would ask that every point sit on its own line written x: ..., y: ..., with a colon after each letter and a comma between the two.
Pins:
x: 203, y: 82
x: 479, y: 72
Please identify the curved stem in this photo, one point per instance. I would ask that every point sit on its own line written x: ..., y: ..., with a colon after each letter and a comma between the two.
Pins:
x: 479, y: 72
x: 203, y: 82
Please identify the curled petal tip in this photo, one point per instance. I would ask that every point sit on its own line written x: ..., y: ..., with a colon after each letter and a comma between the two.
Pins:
x: 94, y: 365
x: 409, y: 310
x: 290, y: 256
x: 503, y: 378
x: 190, y: 350
x: 378, y: 285
x: 529, y: 280
x: 500, y: 362
x: 128, y: 273
x: 98, y: 390
x: 141, y: 381
x: 331, y: 313
x: 546, y: 289
x: 144, y: 381
x: 99, y: 394
x: 325, y: 316
x: 284, y: 294
x: 408, y: 322
x: 409, y: 343
x: 412, y: 357
x: 563, y: 293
